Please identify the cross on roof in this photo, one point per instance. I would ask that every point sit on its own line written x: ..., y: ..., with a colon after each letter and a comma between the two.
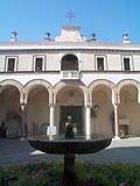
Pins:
x: 70, y: 15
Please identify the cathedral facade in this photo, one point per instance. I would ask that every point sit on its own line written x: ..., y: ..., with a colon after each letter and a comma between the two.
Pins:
x: 96, y: 83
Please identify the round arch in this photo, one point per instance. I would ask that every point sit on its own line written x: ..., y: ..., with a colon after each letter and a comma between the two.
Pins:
x: 103, y: 82
x: 39, y: 82
x: 75, y: 84
x: 127, y: 82
x: 16, y: 84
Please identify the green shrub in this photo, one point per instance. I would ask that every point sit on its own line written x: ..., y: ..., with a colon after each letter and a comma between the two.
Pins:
x: 50, y: 173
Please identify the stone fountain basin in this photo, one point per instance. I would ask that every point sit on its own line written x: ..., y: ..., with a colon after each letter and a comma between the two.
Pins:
x: 78, y: 145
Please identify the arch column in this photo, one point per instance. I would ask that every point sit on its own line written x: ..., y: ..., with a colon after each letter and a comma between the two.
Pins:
x: 116, y: 120
x: 88, y: 120
x: 24, y: 123
x: 87, y: 104
x: 52, y: 115
x: 139, y: 95
x: 52, y: 120
x: 115, y: 102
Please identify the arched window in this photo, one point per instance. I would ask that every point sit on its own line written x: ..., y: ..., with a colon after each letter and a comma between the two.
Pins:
x: 69, y: 62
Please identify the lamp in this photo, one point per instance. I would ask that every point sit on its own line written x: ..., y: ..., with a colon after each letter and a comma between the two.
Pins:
x: 94, y: 110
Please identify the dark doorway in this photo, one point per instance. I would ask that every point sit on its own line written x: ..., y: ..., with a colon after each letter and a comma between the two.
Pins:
x: 76, y: 114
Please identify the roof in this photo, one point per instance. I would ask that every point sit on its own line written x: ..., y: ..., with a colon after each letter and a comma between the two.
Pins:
x: 69, y: 38
x: 49, y: 45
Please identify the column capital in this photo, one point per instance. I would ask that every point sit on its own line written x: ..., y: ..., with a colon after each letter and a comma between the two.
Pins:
x: 115, y: 105
x: 51, y: 99
x: 23, y: 98
x: 87, y: 100
x: 23, y: 105
x: 115, y: 98
x: 88, y: 105
x: 52, y: 105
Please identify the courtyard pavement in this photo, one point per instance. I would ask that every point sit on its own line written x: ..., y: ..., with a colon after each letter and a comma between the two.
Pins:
x: 20, y: 152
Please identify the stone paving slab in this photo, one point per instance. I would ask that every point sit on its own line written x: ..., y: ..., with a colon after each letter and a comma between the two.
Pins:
x: 20, y: 152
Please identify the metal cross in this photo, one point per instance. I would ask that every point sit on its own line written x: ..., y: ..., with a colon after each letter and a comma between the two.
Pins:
x: 70, y: 15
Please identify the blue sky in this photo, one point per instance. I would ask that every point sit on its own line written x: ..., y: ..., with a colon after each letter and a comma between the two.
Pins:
x: 107, y: 18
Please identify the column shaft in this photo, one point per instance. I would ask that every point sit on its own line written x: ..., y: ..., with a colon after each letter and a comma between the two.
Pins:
x: 52, y: 118
x: 116, y: 120
x: 88, y: 121
x: 24, y: 127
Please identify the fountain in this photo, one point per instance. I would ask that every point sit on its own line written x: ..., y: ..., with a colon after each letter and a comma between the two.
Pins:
x: 69, y: 145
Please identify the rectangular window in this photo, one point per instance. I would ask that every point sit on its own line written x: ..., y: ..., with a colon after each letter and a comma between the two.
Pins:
x: 38, y: 64
x: 100, y: 63
x: 11, y: 64
x: 126, y: 63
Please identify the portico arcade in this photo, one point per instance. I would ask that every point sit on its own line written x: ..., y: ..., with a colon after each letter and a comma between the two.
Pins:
x: 110, y: 100
x: 40, y: 103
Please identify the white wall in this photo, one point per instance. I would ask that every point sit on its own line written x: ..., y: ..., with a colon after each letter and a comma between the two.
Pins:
x: 2, y: 63
x: 55, y: 77
x: 87, y: 61
x: 113, y: 62
x: 25, y: 62
x: 136, y: 61
x: 86, y: 58
x: 53, y: 62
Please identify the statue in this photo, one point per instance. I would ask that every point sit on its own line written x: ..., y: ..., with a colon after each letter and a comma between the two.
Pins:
x: 69, y: 132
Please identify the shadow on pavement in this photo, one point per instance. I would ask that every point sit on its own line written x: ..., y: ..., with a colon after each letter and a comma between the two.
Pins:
x: 20, y: 152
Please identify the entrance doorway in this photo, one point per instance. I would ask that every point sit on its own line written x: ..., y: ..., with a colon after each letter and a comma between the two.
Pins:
x: 77, y: 118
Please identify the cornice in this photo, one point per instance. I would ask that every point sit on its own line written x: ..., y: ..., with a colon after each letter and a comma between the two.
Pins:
x: 83, y: 71
x: 49, y: 50
x: 60, y: 46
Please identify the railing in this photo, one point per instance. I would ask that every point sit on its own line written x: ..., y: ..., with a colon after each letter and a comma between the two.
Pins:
x: 70, y: 75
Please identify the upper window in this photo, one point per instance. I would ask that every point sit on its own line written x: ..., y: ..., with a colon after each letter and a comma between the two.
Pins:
x: 100, y: 63
x: 126, y: 62
x: 11, y: 63
x: 38, y: 64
